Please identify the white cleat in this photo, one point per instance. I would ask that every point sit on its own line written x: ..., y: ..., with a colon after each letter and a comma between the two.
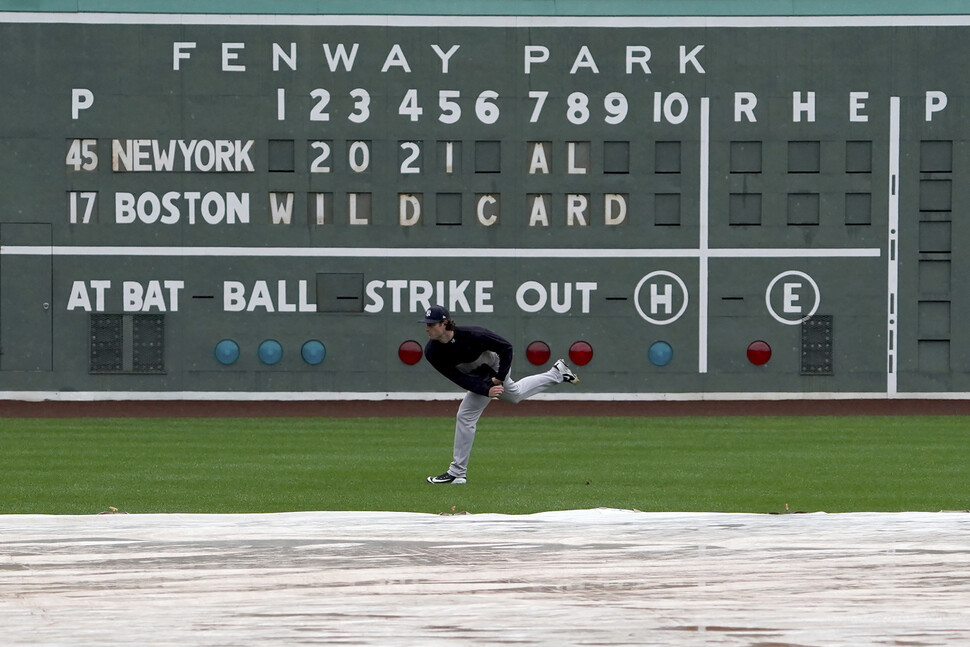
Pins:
x: 446, y: 479
x: 566, y: 372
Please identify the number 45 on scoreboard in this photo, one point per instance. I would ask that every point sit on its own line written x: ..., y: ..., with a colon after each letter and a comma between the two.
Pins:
x: 82, y: 155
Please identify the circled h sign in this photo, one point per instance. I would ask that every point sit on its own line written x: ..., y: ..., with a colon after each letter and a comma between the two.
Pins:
x: 665, y: 298
x: 789, y: 297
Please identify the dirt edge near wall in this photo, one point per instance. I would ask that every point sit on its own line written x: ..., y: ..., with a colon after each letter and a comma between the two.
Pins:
x: 401, y: 408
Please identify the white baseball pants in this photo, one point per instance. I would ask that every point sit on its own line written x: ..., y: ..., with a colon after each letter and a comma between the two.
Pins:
x: 473, y: 405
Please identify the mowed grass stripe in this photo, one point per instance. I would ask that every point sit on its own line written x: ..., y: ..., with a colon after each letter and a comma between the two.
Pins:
x: 519, y: 465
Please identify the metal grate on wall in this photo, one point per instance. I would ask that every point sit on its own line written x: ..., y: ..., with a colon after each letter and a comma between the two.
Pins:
x: 817, y: 346
x: 127, y: 344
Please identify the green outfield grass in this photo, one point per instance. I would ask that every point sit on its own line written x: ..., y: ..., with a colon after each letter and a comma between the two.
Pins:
x: 519, y: 465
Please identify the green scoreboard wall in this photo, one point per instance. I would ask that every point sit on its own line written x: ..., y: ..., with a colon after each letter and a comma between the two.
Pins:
x: 258, y: 206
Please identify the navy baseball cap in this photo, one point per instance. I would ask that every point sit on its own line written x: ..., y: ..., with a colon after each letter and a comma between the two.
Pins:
x: 435, y: 314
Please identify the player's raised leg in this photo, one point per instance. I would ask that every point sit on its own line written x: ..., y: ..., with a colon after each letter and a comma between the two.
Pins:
x: 519, y: 390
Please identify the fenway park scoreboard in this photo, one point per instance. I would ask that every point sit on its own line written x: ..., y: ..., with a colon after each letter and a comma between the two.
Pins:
x: 255, y: 206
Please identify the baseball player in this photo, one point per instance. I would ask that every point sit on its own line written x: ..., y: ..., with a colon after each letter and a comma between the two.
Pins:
x: 478, y: 360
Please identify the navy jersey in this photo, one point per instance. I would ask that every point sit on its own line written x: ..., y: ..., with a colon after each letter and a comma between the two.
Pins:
x: 472, y: 358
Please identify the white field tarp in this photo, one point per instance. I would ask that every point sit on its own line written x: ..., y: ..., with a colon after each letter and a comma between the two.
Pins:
x: 583, y: 577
